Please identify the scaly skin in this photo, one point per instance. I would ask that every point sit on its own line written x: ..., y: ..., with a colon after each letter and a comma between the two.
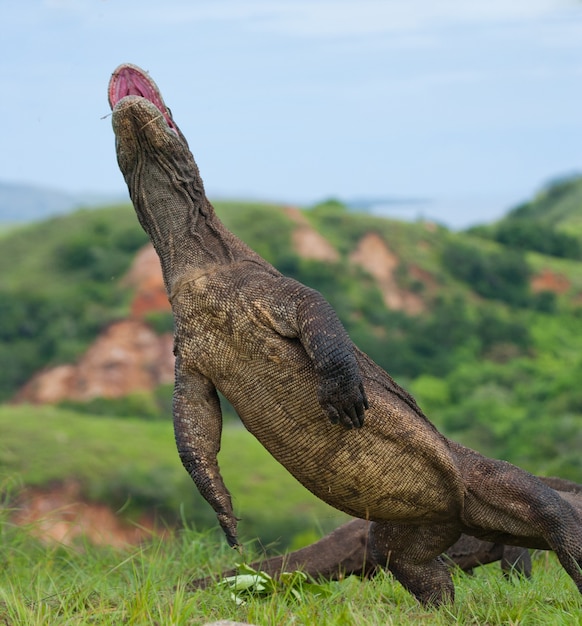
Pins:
x: 334, y: 419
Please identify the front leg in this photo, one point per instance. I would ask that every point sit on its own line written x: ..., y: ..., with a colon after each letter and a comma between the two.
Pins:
x: 198, y: 429
x: 301, y: 312
x: 341, y: 392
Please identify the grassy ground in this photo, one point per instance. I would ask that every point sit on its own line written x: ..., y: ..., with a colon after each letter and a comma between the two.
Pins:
x: 128, y: 458
x: 55, y: 585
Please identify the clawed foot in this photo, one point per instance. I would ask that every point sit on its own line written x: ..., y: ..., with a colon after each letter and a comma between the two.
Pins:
x: 346, y: 409
x: 228, y: 524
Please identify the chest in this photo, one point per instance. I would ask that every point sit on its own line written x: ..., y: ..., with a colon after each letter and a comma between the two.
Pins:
x: 220, y: 328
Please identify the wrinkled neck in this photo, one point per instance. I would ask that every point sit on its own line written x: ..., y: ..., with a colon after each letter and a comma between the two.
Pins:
x: 172, y: 208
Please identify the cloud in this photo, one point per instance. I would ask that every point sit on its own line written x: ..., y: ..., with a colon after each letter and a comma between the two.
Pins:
x: 319, y: 18
x: 395, y: 16
x: 332, y: 17
x: 66, y: 5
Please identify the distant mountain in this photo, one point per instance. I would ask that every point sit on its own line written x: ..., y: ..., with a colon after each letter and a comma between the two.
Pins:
x: 22, y: 202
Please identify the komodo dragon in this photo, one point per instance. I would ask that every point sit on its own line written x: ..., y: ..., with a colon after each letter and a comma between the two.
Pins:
x: 344, y: 551
x: 332, y: 417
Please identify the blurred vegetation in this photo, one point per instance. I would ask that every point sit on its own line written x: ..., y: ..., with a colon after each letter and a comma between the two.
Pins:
x: 498, y: 275
x: 551, y: 223
x: 59, y: 286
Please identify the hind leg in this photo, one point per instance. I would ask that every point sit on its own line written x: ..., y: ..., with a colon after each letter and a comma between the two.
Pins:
x: 412, y: 554
x: 508, y: 505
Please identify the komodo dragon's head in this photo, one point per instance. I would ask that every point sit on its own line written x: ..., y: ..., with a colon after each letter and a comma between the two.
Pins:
x: 142, y: 122
x: 161, y: 174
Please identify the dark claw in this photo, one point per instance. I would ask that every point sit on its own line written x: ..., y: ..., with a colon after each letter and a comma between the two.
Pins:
x: 334, y: 416
x: 347, y: 422
x: 353, y: 415
x: 229, y: 528
x: 364, y: 398
x: 349, y: 415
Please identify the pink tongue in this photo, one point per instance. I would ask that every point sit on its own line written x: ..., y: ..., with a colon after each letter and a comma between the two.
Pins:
x: 132, y: 87
x: 131, y: 83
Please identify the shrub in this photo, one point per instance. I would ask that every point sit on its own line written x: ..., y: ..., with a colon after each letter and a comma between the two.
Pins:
x: 498, y: 275
x: 531, y: 235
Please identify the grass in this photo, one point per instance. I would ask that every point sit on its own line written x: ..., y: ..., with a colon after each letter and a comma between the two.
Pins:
x: 82, y: 584
x: 54, y: 584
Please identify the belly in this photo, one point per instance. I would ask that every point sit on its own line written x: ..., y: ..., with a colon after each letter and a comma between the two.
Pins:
x: 397, y: 467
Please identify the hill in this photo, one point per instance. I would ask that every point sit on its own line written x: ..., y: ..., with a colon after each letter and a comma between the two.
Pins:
x: 556, y: 206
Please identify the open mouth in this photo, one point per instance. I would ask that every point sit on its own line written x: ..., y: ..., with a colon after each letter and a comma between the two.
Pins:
x: 130, y: 80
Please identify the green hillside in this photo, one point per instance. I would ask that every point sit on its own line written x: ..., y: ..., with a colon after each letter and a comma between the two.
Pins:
x: 492, y: 360
x: 557, y: 205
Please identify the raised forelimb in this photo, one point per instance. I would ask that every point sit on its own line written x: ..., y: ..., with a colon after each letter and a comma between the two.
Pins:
x: 251, y: 332
x: 295, y: 311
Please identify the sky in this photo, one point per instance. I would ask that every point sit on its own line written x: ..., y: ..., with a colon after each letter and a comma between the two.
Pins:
x: 470, y: 108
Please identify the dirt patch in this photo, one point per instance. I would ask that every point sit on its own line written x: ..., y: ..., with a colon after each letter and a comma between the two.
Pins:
x: 373, y: 255
x: 307, y: 242
x: 60, y: 514
x: 126, y: 357
x: 547, y: 280
x: 146, y: 280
